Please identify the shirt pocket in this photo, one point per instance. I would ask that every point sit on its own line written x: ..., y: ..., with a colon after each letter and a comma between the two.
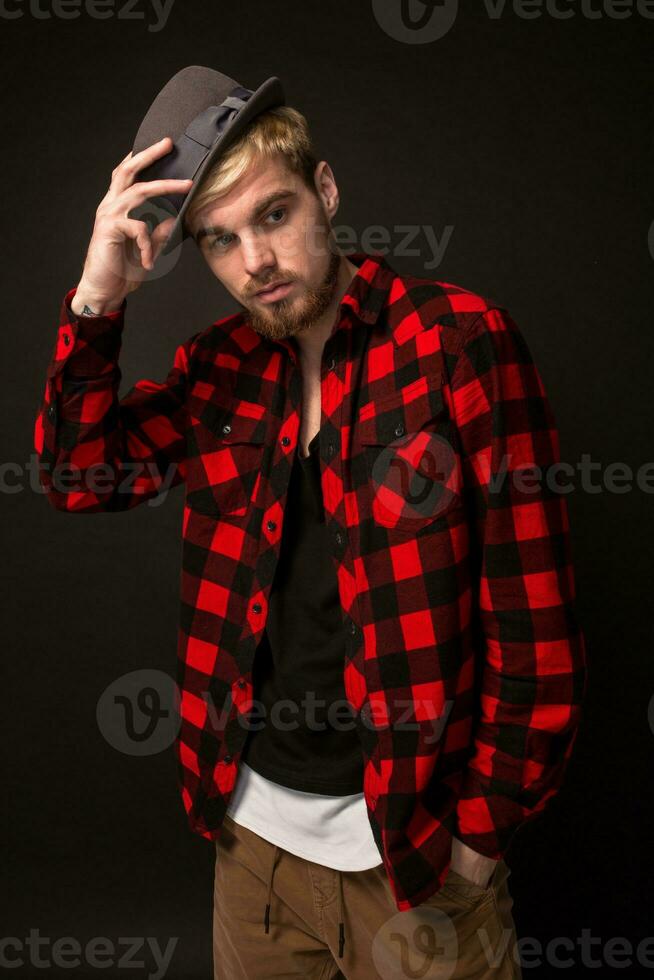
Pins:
x: 409, y: 447
x: 225, y: 440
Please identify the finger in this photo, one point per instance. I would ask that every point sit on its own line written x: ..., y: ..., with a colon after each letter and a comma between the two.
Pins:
x: 160, y: 236
x: 137, y: 231
x: 128, y: 168
x: 138, y: 193
x: 116, y: 173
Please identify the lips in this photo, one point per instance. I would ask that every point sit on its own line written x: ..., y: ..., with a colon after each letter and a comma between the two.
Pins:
x: 269, y: 289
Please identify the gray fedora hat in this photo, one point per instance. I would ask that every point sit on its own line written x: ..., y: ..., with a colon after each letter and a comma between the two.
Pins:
x: 203, y: 111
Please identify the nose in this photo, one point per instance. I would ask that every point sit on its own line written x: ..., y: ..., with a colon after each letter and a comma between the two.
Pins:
x: 258, y: 259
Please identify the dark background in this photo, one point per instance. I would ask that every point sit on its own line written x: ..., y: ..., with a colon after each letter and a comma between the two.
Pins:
x: 532, y: 138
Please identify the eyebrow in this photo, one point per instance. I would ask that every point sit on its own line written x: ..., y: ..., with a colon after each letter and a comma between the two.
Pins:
x: 262, y: 206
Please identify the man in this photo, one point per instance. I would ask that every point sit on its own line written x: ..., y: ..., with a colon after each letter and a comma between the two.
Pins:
x: 369, y: 527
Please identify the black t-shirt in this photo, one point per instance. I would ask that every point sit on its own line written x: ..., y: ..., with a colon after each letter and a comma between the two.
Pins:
x: 297, y: 737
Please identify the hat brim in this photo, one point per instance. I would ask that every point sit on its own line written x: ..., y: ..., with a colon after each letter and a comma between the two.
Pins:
x: 269, y: 94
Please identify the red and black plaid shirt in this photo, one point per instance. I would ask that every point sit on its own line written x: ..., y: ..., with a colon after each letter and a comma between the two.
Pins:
x: 464, y: 660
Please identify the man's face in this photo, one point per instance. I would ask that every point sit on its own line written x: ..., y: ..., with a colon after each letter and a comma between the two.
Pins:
x: 271, y: 229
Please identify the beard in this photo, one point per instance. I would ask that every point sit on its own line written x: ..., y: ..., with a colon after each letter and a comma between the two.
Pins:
x: 290, y: 316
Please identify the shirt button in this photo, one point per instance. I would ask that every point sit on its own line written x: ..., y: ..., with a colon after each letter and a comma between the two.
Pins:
x: 226, y: 429
x: 339, y: 537
x: 285, y: 440
x: 353, y: 628
x: 52, y: 411
x: 257, y: 607
x: 331, y: 449
x: 332, y: 363
x: 228, y: 758
x: 66, y: 339
x: 271, y: 525
x: 399, y: 429
x: 241, y: 682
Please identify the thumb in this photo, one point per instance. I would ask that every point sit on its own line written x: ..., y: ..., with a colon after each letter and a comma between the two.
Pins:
x: 160, y: 236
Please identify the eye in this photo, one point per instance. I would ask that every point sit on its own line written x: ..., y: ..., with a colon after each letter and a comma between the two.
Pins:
x: 280, y: 211
x: 219, y: 242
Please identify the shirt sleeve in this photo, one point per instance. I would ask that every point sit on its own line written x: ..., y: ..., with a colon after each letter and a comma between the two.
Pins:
x: 96, y: 451
x: 533, y: 670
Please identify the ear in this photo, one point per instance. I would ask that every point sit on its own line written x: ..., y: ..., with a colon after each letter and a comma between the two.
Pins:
x: 326, y: 188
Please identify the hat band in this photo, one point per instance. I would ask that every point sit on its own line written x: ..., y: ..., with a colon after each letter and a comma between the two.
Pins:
x: 192, y: 147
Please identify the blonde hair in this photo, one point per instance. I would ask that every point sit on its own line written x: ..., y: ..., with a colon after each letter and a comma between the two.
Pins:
x: 281, y: 129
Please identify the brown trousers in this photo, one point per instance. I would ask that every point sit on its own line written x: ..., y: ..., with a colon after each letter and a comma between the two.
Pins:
x: 463, y: 931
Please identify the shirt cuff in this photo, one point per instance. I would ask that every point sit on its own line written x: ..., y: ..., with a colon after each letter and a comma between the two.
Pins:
x: 86, y: 346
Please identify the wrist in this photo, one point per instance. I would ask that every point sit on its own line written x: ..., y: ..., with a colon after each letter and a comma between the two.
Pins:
x: 85, y: 303
x: 470, y: 864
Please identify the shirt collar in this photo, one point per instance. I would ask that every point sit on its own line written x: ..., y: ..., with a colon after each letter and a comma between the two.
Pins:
x: 368, y: 290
